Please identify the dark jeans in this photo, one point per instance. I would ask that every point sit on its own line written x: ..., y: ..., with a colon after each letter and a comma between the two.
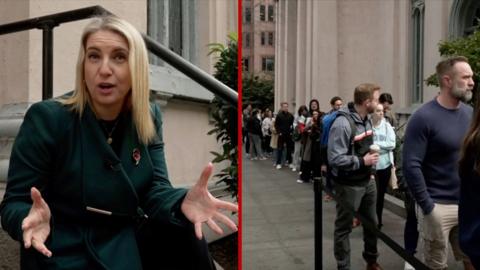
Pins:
x: 382, y: 177
x: 363, y: 200
x: 328, y: 181
x: 410, y: 234
x: 266, y: 144
x: 306, y: 169
x: 255, y: 145
x: 247, y: 141
x: 284, y: 141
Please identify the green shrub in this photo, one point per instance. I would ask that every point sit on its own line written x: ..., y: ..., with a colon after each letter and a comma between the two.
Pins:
x: 225, y: 115
x: 469, y: 47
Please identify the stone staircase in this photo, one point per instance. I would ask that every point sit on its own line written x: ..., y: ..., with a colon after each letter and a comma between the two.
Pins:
x: 11, y: 117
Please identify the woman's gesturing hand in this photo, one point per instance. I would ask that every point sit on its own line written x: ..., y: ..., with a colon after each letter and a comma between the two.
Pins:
x: 200, y: 206
x: 36, y: 226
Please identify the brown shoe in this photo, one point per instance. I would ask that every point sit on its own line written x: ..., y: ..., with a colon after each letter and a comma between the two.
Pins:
x: 374, y: 266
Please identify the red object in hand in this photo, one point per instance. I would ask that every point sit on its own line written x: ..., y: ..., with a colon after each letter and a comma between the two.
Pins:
x: 301, y: 127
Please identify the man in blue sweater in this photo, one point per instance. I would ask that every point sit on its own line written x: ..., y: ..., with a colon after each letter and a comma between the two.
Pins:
x: 430, y: 160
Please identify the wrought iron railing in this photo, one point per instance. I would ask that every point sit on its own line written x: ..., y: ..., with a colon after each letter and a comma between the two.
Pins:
x: 49, y: 22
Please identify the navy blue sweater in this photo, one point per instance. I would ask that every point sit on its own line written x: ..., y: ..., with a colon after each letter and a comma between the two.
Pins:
x: 431, y: 148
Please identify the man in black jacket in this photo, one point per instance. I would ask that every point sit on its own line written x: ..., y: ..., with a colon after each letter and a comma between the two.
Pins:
x: 283, y: 125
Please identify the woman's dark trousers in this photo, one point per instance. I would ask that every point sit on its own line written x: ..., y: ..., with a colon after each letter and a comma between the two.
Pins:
x: 383, y: 176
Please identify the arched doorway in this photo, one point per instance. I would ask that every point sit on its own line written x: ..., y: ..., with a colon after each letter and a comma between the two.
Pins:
x: 464, y: 17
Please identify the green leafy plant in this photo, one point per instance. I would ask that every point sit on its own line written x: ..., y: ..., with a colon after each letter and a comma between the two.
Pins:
x: 258, y: 92
x: 225, y: 115
x: 469, y: 47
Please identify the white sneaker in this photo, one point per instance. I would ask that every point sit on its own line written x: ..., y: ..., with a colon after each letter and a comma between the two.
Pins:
x: 291, y: 166
x: 294, y: 169
x: 279, y: 167
x: 300, y: 181
x: 263, y: 158
x: 408, y: 266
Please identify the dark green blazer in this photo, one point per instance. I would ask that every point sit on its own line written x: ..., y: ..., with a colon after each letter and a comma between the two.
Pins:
x: 96, y: 197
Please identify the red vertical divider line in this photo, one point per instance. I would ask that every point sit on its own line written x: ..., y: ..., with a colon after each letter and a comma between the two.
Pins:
x: 239, y: 130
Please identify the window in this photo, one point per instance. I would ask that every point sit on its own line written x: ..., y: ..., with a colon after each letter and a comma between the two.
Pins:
x: 262, y: 38
x: 268, y: 63
x: 248, y: 15
x: 246, y: 40
x: 464, y: 17
x: 171, y: 22
x: 262, y: 13
x: 270, y: 13
x: 175, y: 26
x: 418, y: 15
x: 245, y: 64
x: 270, y: 38
x: 472, y: 24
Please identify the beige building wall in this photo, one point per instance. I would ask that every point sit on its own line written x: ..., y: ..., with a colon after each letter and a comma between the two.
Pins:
x: 217, y: 19
x: 185, y: 123
x: 437, y: 15
x: 326, y: 48
x: 14, y: 55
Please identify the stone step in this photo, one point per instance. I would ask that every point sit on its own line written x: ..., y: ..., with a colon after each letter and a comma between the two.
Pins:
x: 395, y: 205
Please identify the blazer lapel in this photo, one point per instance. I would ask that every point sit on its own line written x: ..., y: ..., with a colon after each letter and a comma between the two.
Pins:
x: 106, y: 187
x: 134, y: 158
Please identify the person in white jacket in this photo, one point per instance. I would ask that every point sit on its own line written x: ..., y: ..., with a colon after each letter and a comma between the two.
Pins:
x: 383, y: 136
x: 266, y: 131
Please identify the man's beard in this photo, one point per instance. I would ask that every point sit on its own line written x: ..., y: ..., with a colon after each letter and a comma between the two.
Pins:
x: 462, y: 94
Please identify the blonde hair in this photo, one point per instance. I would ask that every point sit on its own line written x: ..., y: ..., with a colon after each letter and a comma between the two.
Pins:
x: 138, y: 98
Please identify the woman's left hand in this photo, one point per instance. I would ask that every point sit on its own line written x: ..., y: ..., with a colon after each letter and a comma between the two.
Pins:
x: 200, y: 206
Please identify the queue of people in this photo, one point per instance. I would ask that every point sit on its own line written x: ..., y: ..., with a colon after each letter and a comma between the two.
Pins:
x: 358, y: 162
x: 106, y: 139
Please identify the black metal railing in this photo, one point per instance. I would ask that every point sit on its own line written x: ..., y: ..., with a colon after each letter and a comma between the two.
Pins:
x: 49, y: 22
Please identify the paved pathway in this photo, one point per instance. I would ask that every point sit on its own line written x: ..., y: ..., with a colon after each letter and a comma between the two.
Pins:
x: 278, y: 224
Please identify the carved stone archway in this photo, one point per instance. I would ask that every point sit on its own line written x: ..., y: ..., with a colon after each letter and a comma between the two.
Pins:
x: 463, y: 17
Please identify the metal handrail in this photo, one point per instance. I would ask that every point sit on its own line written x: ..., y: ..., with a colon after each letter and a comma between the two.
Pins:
x: 47, y: 23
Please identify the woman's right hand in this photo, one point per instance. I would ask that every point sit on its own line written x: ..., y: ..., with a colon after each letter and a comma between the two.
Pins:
x: 36, y: 226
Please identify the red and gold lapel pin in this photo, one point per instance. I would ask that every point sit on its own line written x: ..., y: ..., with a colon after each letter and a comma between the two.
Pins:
x: 136, y: 156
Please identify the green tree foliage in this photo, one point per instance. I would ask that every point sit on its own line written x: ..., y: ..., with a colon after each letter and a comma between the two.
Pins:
x: 225, y: 115
x: 258, y: 92
x: 469, y: 47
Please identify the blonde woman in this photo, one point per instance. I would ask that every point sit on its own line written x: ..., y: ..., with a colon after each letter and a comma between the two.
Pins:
x: 384, y: 137
x: 87, y: 184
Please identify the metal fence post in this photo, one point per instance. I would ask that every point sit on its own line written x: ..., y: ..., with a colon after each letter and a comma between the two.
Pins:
x: 47, y: 60
x: 317, y: 189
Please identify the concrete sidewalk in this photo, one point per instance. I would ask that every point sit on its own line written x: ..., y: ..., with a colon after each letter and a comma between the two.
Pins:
x: 278, y: 224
